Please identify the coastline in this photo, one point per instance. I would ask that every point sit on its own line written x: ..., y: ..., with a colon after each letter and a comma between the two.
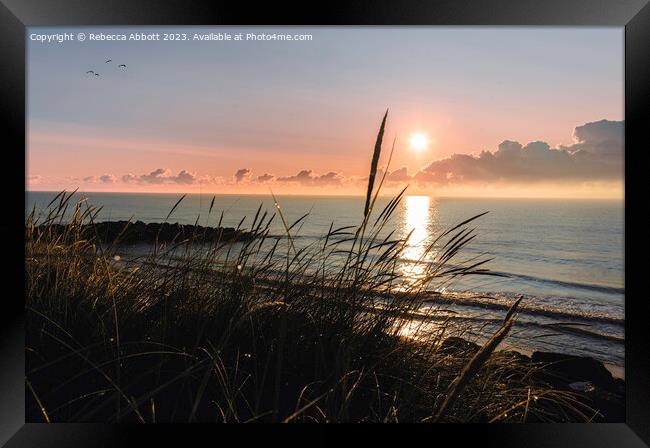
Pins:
x: 141, y: 236
x: 617, y: 371
x: 556, y: 373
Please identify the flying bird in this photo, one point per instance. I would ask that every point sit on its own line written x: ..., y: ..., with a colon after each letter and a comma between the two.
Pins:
x: 108, y: 60
x: 122, y: 66
x: 96, y: 74
x: 90, y: 72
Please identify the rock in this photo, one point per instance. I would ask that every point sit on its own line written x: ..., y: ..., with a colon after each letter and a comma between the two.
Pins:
x: 140, y: 232
x: 582, y: 386
x: 566, y: 369
x: 610, y: 405
x: 514, y: 366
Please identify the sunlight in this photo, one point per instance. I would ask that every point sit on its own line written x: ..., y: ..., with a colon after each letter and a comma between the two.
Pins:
x: 416, y: 219
x: 419, y: 142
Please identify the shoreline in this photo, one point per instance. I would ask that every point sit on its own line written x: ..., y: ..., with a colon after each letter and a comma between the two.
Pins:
x: 617, y: 371
x: 519, y: 371
x: 440, y: 298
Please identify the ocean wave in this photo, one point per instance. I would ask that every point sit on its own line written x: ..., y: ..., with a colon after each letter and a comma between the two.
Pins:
x: 539, y: 280
x: 595, y: 287
x: 534, y: 329
x: 530, y: 306
x: 564, y: 283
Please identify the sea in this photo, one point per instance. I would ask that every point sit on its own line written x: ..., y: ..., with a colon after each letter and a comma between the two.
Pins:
x: 565, y: 257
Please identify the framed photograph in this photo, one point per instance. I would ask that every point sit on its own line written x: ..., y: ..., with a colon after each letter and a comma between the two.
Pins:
x: 422, y: 213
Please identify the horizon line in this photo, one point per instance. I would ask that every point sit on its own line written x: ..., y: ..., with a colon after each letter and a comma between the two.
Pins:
x: 355, y: 195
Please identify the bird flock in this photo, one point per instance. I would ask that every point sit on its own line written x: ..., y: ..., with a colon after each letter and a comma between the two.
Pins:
x: 108, y: 61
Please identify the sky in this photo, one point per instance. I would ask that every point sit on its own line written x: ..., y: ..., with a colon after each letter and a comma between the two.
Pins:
x: 496, y: 111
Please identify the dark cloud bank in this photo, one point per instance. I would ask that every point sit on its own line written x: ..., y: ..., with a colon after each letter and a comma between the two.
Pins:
x: 309, y: 178
x: 596, y: 155
x: 161, y: 176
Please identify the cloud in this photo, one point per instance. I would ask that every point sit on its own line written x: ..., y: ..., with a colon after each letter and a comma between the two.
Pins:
x: 103, y: 179
x: 265, y: 178
x: 185, y: 177
x: 596, y: 155
x: 602, y: 136
x: 309, y: 178
x: 242, y: 174
x: 158, y: 176
x: 161, y: 176
x: 107, y: 179
x: 207, y: 179
x: 129, y: 178
x: 399, y: 175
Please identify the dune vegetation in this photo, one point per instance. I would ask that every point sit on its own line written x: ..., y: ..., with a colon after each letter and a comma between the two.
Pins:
x: 245, y: 329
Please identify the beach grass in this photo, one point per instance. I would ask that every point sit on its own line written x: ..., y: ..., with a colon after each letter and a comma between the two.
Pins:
x: 260, y: 329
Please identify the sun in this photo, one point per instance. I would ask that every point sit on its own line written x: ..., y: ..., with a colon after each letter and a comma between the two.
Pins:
x: 419, y: 142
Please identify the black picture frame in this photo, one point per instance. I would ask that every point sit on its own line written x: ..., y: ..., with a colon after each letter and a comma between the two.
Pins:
x: 16, y: 15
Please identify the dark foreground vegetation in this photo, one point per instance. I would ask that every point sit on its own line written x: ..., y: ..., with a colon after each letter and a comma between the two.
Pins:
x: 266, y: 331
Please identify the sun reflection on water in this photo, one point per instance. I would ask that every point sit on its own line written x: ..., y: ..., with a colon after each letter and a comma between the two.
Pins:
x: 417, y: 218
